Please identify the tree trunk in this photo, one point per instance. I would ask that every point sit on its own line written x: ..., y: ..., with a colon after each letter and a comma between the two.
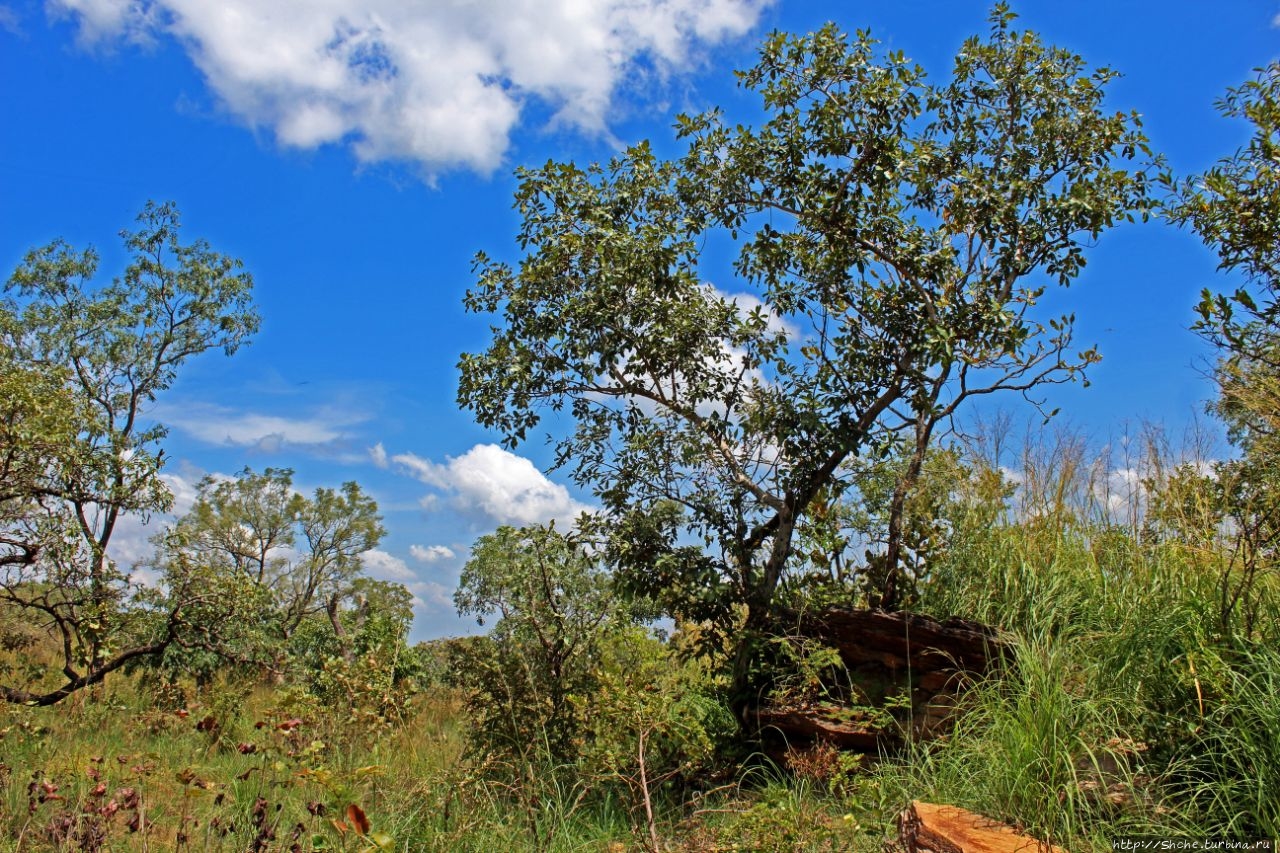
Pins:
x: 335, y: 619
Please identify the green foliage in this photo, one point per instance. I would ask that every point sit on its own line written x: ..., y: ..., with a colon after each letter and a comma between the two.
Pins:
x: 219, y: 632
x: 953, y: 499
x: 784, y: 816
x: 1137, y: 701
x: 1046, y: 747
x: 1235, y: 208
x: 298, y: 557
x: 802, y: 670
x: 372, y: 672
x: 893, y: 238
x: 655, y: 726
x: 555, y: 607
x: 1230, y: 770
x: 81, y: 362
x: 571, y: 701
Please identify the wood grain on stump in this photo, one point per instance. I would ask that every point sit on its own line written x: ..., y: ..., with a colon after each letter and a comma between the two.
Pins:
x: 929, y: 828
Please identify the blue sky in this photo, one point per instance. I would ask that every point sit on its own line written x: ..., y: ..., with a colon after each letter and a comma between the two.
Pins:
x: 357, y: 153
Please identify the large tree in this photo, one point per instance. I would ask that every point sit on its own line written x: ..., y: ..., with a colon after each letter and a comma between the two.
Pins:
x: 1235, y: 208
x: 301, y: 555
x: 102, y: 352
x: 893, y: 236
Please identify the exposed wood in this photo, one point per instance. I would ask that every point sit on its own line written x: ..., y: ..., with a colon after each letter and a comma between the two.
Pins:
x: 929, y: 828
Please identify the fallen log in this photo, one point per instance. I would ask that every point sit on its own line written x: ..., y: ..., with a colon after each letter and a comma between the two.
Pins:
x: 929, y: 828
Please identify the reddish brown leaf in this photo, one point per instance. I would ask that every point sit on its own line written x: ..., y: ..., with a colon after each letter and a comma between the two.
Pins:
x: 358, y: 820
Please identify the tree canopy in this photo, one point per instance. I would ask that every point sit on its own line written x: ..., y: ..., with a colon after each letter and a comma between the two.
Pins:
x: 1234, y: 207
x: 301, y: 554
x: 893, y: 236
x: 83, y: 360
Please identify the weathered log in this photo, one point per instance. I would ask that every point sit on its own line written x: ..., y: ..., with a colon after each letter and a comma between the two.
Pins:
x: 929, y: 828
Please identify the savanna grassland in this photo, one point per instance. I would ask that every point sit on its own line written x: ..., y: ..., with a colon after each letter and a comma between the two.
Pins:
x: 824, y: 437
x: 1141, y: 701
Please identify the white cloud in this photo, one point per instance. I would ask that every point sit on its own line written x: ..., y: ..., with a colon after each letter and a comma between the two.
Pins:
x: 431, y: 553
x: 442, y: 84
x: 423, y: 469
x: 101, y: 20
x: 9, y: 21
x: 378, y: 454
x: 749, y: 302
x: 431, y: 597
x: 502, y: 486
x: 184, y: 490
x: 219, y: 425
x: 1123, y: 492
x: 387, y: 567
x: 131, y: 540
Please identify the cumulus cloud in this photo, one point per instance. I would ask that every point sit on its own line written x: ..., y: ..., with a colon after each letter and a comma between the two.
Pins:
x: 432, y: 597
x: 184, y: 487
x: 431, y: 553
x: 437, y: 83
x: 386, y: 567
x: 501, y: 486
x: 219, y: 425
x: 378, y: 454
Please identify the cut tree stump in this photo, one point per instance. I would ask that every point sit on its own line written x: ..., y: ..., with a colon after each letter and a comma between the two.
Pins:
x: 929, y: 828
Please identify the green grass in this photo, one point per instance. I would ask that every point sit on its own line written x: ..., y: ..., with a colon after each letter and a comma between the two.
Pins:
x: 1133, y: 705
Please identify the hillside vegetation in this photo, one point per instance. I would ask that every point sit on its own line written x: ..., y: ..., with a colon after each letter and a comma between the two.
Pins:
x: 826, y: 435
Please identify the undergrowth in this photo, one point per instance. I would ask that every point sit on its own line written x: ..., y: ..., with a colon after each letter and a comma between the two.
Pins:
x: 1140, y: 699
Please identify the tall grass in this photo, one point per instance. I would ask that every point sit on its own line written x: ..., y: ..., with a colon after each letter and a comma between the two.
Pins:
x: 1136, y: 701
